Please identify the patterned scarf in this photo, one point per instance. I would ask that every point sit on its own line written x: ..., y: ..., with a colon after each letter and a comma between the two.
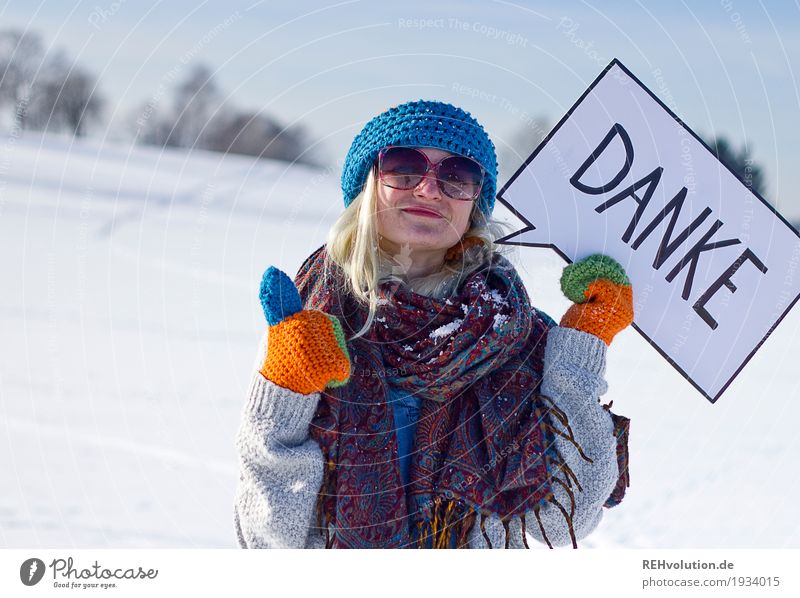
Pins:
x: 483, y: 442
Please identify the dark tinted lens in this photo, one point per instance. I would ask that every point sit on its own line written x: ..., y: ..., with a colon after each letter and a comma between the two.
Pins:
x: 402, y: 167
x: 460, y: 178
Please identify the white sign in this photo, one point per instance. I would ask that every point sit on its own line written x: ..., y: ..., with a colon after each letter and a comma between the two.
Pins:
x: 714, y: 267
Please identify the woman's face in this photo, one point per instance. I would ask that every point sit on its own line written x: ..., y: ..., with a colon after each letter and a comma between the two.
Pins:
x: 422, y: 218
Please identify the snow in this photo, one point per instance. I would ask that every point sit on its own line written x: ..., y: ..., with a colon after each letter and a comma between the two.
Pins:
x: 446, y: 330
x: 497, y: 298
x: 499, y: 320
x: 130, y: 321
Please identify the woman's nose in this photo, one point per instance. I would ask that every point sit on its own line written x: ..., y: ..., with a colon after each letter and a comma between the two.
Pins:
x: 428, y: 187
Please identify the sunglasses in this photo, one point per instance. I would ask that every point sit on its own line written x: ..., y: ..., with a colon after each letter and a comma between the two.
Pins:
x: 458, y: 177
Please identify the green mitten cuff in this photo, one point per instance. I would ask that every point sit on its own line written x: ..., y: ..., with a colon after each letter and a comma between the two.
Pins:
x: 340, y: 340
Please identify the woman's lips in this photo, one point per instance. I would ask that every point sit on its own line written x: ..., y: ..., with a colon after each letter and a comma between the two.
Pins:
x: 423, y: 212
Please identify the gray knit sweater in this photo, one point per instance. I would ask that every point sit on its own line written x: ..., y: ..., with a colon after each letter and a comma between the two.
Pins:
x: 281, y: 467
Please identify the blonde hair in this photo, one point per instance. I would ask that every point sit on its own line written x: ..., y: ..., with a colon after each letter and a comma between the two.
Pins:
x: 353, y: 245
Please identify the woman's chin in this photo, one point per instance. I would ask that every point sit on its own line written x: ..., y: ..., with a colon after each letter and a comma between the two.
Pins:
x: 429, y: 235
x: 421, y: 242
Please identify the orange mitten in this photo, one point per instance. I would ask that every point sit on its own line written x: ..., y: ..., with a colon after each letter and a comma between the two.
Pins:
x: 306, y: 349
x: 602, y: 295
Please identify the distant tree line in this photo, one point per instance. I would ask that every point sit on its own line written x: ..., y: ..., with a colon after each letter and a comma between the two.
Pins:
x: 197, y: 117
x: 45, y: 90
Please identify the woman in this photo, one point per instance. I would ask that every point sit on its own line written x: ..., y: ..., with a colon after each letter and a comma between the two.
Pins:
x: 410, y: 395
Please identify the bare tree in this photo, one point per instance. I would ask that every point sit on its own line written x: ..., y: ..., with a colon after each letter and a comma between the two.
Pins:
x: 64, y: 97
x: 195, y: 100
x: 21, y: 55
x: 198, y: 118
x: 740, y: 162
x: 254, y: 134
x: 182, y: 124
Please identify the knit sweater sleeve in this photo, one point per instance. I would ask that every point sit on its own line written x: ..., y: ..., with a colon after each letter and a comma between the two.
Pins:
x: 573, y: 378
x: 281, y: 468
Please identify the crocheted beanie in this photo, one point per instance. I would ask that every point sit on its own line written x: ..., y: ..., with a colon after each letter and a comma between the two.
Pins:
x: 422, y: 124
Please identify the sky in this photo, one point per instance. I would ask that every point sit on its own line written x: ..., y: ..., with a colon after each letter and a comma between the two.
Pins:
x: 726, y: 67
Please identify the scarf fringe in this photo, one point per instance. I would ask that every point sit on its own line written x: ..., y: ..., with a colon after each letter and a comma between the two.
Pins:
x: 569, y: 435
x: 556, y: 464
x: 570, y: 476
x: 568, y: 517
x: 450, y: 520
x: 483, y: 530
x: 541, y: 527
x: 570, y: 494
x: 524, y: 531
x: 559, y: 465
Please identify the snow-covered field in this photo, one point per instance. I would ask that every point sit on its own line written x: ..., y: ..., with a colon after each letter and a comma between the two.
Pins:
x: 129, y: 320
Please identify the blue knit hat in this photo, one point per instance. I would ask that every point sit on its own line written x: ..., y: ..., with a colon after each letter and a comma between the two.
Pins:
x: 422, y: 124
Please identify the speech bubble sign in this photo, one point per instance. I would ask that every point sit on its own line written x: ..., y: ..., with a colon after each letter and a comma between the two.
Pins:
x: 714, y: 267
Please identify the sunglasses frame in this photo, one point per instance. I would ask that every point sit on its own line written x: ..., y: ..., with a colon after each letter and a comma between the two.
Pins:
x: 431, y: 167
